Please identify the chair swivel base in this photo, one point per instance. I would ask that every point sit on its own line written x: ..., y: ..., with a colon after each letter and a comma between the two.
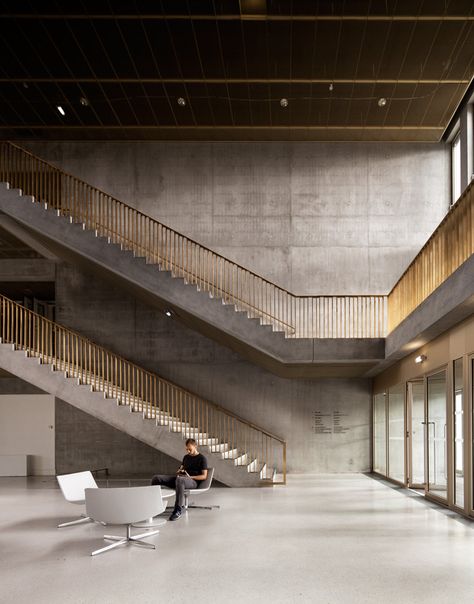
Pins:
x: 150, y: 523
x: 80, y: 520
x: 128, y: 539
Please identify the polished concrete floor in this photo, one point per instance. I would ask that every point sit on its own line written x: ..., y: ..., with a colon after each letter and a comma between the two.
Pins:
x: 334, y: 539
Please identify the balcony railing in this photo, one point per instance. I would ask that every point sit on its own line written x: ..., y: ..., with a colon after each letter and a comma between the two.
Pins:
x: 451, y: 244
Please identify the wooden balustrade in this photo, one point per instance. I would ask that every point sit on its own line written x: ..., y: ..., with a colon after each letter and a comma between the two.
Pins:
x: 145, y: 392
x: 343, y: 316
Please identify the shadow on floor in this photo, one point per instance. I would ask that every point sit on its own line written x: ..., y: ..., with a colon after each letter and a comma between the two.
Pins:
x: 419, y: 497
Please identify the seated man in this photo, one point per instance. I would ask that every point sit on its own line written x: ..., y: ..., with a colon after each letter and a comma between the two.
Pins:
x: 192, y: 472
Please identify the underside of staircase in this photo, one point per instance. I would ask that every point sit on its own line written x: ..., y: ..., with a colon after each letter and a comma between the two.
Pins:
x: 287, y: 357
x: 155, y: 427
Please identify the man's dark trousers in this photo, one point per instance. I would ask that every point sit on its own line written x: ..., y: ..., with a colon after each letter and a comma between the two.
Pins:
x: 180, y: 483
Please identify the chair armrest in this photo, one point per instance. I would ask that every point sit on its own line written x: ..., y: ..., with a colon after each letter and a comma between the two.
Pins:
x: 165, y: 493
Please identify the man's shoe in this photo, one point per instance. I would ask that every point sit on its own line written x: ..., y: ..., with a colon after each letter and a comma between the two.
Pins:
x: 176, y: 514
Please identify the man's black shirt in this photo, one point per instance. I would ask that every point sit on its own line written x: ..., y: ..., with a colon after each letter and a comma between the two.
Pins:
x: 194, y: 464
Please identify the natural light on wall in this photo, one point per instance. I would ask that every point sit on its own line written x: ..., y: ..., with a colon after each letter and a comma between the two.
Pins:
x: 456, y: 167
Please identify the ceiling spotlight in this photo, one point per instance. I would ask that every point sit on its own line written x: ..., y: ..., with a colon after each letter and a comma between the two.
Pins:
x: 284, y: 102
x: 61, y: 110
x: 181, y: 101
x: 168, y: 313
x: 420, y: 358
x: 84, y: 102
x: 382, y: 102
x: 331, y: 87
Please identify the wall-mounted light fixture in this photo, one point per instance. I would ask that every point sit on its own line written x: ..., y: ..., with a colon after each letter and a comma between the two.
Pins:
x: 420, y: 358
x: 168, y: 313
x: 61, y: 110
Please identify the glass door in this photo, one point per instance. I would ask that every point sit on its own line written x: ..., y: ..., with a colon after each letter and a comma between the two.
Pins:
x: 458, y: 409
x: 380, y: 434
x: 416, y: 430
x: 436, y: 426
x: 396, y: 433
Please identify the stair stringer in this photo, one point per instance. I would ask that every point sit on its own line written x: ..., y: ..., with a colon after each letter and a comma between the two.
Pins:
x: 288, y: 357
x: 107, y: 410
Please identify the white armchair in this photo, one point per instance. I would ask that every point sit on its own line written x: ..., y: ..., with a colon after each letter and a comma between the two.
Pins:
x: 203, y: 487
x: 72, y: 487
x: 124, y: 506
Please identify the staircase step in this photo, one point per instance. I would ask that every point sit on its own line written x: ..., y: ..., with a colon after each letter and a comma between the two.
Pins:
x: 219, y: 447
x: 256, y: 467
x: 230, y: 454
x: 242, y: 460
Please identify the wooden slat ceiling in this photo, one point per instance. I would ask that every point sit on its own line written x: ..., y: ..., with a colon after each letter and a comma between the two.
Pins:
x: 232, y: 62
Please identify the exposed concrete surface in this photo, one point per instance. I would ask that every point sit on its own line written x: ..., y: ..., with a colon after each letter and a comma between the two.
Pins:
x: 27, y: 269
x: 448, y: 305
x: 120, y: 417
x: 315, y: 541
x: 83, y: 443
x: 316, y: 218
x: 290, y: 357
x: 115, y: 318
x: 14, y: 385
x: 21, y: 233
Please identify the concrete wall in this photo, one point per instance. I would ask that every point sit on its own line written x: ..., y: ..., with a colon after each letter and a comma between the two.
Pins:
x: 316, y: 218
x: 27, y: 428
x: 85, y: 443
x: 288, y: 408
x: 77, y: 441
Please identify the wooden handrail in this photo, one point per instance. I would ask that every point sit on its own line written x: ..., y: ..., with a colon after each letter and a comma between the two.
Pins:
x: 119, y: 378
x: 297, y: 316
x: 190, y: 239
x: 147, y: 217
x: 451, y: 244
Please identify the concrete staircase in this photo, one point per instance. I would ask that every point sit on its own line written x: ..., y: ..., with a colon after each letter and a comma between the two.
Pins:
x: 155, y: 427
x: 195, y: 307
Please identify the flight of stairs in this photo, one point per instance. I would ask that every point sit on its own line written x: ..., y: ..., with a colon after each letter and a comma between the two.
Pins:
x: 155, y: 282
x: 157, y: 428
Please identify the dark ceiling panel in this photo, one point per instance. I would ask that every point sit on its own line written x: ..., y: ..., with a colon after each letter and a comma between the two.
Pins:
x: 257, y: 50
x: 374, y: 48
x: 461, y: 60
x: 280, y: 34
x: 184, y: 49
x: 325, y: 48
x: 118, y: 69
x: 208, y: 47
x: 233, y: 55
x: 161, y: 48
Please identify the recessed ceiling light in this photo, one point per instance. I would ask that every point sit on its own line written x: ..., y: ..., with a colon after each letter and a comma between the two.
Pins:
x: 382, y: 102
x: 181, y: 101
x: 84, y: 102
x: 61, y: 110
x: 284, y: 102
